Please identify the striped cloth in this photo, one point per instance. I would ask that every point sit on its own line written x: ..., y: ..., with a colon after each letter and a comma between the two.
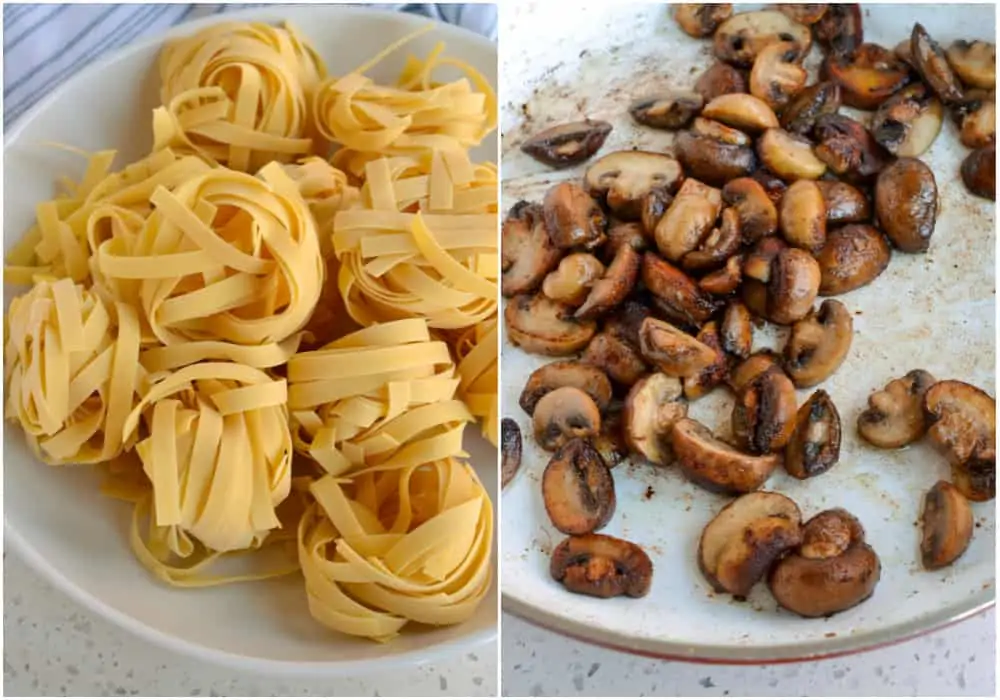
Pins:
x: 43, y: 45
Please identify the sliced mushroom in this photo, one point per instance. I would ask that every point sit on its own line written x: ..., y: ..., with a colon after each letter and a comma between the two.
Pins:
x: 789, y: 156
x: 895, y: 415
x: 563, y: 414
x: 527, y: 251
x: 688, y: 220
x: 716, y: 373
x: 741, y: 38
x: 840, y: 28
x: 803, y: 216
x: 671, y: 350
x: 974, y: 62
x: 800, y: 115
x: 777, y: 76
x: 740, y: 111
x: 853, y: 256
x: 804, y: 13
x: 610, y: 443
x: 654, y: 205
x: 963, y: 425
x: 573, y: 218
x: 561, y: 373
x: 539, y: 325
x: 620, y: 360
x: 669, y: 110
x: 715, y: 465
x: 903, y: 52
x: 866, y: 76
x: 933, y: 66
x: 818, y: 344
x: 752, y: 367
x: 701, y: 20
x: 571, y: 281
x: 718, y: 246
x: 611, y: 290
x: 792, y: 287
x: 845, y: 204
x: 601, y: 566
x: 848, y: 148
x: 764, y: 413
x: 737, y: 330
x: 979, y: 172
x: 758, y: 216
x: 653, y: 405
x: 906, y: 202
x: 712, y: 161
x: 741, y: 543
x: 720, y: 79
x: 833, y: 569
x: 977, y: 119
x: 815, y: 444
x: 717, y: 131
x: 510, y: 446
x: 757, y: 272
x: 674, y: 293
x: 947, y: 527
x: 907, y: 123
x: 623, y: 178
x: 578, y: 489
x: 726, y: 280
x: 625, y: 323
x: 566, y: 145
x: 631, y: 234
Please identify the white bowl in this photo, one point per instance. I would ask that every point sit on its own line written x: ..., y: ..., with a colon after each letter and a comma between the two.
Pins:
x: 934, y: 311
x: 55, y: 517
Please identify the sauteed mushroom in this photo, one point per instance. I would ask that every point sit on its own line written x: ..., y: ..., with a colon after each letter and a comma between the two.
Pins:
x: 726, y: 280
x: 573, y: 218
x: 974, y: 62
x: 527, y: 251
x: 510, y: 446
x: 743, y: 112
x: 718, y: 246
x: 717, y: 131
x: 906, y: 201
x: 617, y: 358
x: 845, y: 204
x: 612, y: 288
x: 539, y: 325
x: 895, y: 415
x: 720, y: 79
x: 563, y: 414
x: 571, y: 281
x: 669, y: 110
x: 652, y: 407
x: 674, y: 293
x: 601, y: 566
x: 853, y: 256
x: 777, y: 76
x: 848, y: 148
x: 818, y: 344
x: 566, y: 145
x: 701, y: 20
x: 789, y: 156
x: 752, y: 367
x: 800, y: 115
x: 764, y: 413
x: 578, y: 489
x: 671, y: 350
x: 688, y: 220
x: 741, y: 38
x: 560, y: 373
x: 866, y: 76
x: 815, y: 445
x: 947, y: 527
x: 803, y: 216
x: 804, y: 13
x: 697, y: 385
x: 737, y: 330
x: 757, y: 214
x: 716, y: 466
x: 979, y: 172
x: 930, y: 62
x: 907, y: 123
x: 977, y: 115
x: 631, y: 234
x: 712, y: 161
x: 840, y: 28
x: 963, y: 425
x: 623, y: 178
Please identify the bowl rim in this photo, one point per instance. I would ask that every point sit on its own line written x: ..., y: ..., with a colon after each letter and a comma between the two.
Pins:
x: 40, y: 565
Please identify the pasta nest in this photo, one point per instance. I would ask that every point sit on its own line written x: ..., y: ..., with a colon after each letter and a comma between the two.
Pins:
x: 72, y: 372
x: 399, y: 545
x: 383, y: 396
x: 476, y: 350
x: 238, y: 94
x: 224, y: 256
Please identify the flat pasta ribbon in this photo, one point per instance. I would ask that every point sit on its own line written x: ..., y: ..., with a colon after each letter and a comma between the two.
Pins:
x: 476, y: 350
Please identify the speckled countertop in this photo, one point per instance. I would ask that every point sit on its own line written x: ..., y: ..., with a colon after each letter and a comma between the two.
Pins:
x: 53, y: 646
x: 957, y: 661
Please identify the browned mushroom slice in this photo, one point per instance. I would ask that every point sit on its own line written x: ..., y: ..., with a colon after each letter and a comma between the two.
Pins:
x: 845, y: 204
x: 718, y: 246
x: 833, y: 569
x: 717, y: 131
x: 907, y: 123
x: 741, y: 543
x: 566, y: 145
x: 623, y: 178
x: 616, y: 358
x: 752, y: 367
x: 688, y: 220
x: 757, y: 214
x: 556, y: 375
x: 815, y: 444
x: 713, y: 161
x: 654, y: 205
x: 741, y: 38
x: 848, y: 148
x: 803, y: 216
x: 840, y: 28
x: 777, y: 76
x: 979, y: 172
x: 792, y: 287
x: 571, y: 281
x: 668, y: 110
x: 903, y: 52
x: 631, y: 234
x: 818, y: 344
x: 933, y: 66
x: 578, y: 489
x: 625, y: 323
x: 895, y: 415
x: 573, y: 218
x: 726, y: 280
x: 674, y: 293
x: 714, y: 465
x: 671, y: 350
x: 757, y: 272
x: 614, y: 286
x: 720, y: 79
x: 773, y: 185
x: 526, y: 249
x: 789, y: 156
x: 947, y: 527
x: 800, y: 115
x: 601, y: 566
x: 764, y: 413
x: 563, y: 414
x: 974, y: 62
x: 701, y: 20
x: 539, y: 325
x: 906, y: 202
x: 977, y: 115
x: 510, y: 446
x: 804, y: 13
x: 963, y: 425
x: 653, y: 405
x: 853, y: 256
x: 866, y: 76
x: 716, y: 373
x: 610, y: 443
x: 737, y: 330
x: 740, y: 111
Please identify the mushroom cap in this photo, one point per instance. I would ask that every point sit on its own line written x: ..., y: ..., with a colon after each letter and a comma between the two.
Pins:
x: 818, y: 344
x: 907, y: 123
x: 979, y: 172
x: 800, y: 115
x: 853, y: 256
x: 962, y: 422
x: 789, y: 156
x: 840, y: 28
x: 757, y: 214
x: 616, y: 283
x: 673, y: 109
x: 763, y: 417
x: 510, y: 447
x: 653, y: 405
x: 895, y: 415
x: 566, y: 145
x: 616, y: 357
x: 671, y: 350
x: 571, y: 281
x: 566, y: 373
x: 792, y: 287
x: 777, y: 75
x: 906, y: 203
x: 573, y: 218
x: 715, y: 374
x: 720, y: 79
x: 815, y: 445
x: 688, y: 219
x: 623, y: 178
x: 701, y: 20
x: 947, y: 526
x: 578, y: 489
x: 746, y: 371
x: 715, y: 465
x: 741, y: 111
x: 528, y: 253
x: 711, y: 160
x: 741, y: 38
x: 563, y: 414
x: 845, y: 204
x: 602, y: 566
x: 718, y: 246
x: 974, y: 62
x: 866, y: 76
x: 674, y: 293
x: 803, y: 216
x: 545, y: 327
x: 930, y: 61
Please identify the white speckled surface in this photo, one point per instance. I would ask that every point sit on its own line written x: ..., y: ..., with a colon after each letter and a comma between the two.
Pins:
x: 53, y: 646
x: 957, y: 661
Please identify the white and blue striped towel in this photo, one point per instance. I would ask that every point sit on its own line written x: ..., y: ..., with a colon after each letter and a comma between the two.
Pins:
x: 43, y: 45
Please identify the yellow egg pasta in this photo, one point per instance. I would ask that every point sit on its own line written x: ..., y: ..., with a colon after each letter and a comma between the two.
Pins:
x: 476, y: 350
